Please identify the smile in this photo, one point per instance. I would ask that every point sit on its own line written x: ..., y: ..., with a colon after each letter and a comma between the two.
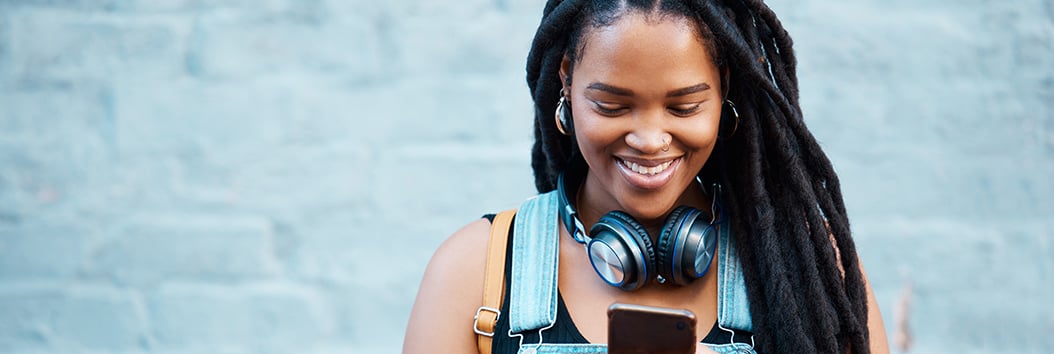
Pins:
x: 645, y: 170
x: 647, y: 175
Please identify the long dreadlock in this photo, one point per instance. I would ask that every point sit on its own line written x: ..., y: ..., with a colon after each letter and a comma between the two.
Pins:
x: 805, y: 287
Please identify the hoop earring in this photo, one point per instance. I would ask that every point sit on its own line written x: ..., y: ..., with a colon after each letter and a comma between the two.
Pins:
x: 735, y: 125
x: 563, y: 124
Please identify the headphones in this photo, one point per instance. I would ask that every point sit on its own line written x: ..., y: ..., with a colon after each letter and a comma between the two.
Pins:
x: 621, y: 250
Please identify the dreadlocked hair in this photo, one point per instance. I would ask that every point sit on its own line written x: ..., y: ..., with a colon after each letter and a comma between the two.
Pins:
x: 800, y: 265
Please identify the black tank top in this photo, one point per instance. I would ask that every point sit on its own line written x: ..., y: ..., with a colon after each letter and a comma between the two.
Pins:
x: 564, y: 330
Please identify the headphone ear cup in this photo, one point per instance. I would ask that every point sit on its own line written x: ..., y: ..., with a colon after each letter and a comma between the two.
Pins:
x: 634, y: 237
x: 696, y: 242
x: 668, y: 241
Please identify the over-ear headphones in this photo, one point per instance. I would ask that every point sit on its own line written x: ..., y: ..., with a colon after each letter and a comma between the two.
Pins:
x: 621, y: 250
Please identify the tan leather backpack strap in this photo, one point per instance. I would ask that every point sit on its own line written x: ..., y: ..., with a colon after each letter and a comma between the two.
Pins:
x: 486, y: 319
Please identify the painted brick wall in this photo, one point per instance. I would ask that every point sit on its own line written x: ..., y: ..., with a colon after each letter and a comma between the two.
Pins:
x: 234, y: 176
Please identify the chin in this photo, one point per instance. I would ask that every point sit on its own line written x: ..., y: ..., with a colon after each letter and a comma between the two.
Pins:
x: 648, y: 211
x: 652, y: 206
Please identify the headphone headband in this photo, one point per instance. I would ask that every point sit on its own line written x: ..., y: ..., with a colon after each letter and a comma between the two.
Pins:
x: 625, y: 256
x: 574, y: 226
x: 567, y: 212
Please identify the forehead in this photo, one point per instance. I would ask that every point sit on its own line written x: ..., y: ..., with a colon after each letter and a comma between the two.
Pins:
x: 638, y: 47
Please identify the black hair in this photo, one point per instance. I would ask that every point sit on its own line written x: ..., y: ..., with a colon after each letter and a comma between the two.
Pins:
x: 805, y: 287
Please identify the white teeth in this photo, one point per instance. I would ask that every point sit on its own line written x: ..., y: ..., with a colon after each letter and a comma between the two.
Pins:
x: 647, y: 170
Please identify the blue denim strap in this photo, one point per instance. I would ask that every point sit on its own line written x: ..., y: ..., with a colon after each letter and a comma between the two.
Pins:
x: 577, y: 348
x: 733, y: 307
x: 532, y: 298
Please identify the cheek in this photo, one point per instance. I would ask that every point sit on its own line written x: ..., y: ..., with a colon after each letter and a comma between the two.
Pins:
x: 701, y: 133
x: 595, y: 133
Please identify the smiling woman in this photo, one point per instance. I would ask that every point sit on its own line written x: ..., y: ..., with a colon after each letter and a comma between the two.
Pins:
x: 645, y: 114
x: 657, y: 190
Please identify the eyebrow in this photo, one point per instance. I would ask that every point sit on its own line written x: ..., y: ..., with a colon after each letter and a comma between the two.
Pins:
x: 627, y: 92
x: 688, y: 90
x: 610, y: 89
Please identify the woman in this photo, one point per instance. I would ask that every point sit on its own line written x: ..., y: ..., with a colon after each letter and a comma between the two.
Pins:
x: 652, y: 115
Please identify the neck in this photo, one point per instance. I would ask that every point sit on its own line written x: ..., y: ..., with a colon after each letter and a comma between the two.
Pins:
x: 591, y: 212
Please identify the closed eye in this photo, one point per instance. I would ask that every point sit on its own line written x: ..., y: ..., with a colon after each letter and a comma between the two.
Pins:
x: 609, y: 109
x: 685, y: 110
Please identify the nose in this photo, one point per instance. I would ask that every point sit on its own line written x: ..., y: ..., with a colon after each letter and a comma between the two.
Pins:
x: 650, y: 140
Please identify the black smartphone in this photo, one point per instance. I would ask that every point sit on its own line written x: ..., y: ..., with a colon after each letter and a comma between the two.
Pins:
x: 634, y: 329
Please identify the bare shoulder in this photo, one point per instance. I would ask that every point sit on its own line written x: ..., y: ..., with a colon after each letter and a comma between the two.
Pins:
x: 450, y: 292
x: 875, y: 326
x: 458, y: 265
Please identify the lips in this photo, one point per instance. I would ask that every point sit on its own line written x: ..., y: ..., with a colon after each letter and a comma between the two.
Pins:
x: 645, y: 170
x: 647, y: 174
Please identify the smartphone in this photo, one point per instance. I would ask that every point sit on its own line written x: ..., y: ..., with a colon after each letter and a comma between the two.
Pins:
x: 634, y: 329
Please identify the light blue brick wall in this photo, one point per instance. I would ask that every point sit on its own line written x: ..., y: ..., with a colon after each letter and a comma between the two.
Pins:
x: 186, y: 176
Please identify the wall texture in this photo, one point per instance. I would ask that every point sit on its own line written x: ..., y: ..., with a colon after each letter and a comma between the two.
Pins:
x: 234, y: 176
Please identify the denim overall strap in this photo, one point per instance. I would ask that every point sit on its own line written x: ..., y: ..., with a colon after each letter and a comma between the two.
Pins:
x: 733, y: 308
x: 532, y: 297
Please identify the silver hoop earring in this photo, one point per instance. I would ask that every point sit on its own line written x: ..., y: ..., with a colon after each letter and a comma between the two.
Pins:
x: 560, y: 118
x: 735, y: 113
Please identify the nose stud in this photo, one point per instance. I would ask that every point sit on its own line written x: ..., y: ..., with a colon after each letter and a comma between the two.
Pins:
x: 666, y: 145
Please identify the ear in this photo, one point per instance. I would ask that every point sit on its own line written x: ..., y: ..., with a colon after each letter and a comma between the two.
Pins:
x: 565, y: 75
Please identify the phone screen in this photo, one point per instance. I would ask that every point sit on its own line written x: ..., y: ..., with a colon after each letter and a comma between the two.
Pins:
x: 636, y: 329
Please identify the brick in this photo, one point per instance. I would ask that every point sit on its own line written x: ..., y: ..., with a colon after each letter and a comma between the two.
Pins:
x: 307, y: 10
x: 277, y: 8
x: 370, y: 114
x: 481, y: 106
x: 5, y: 48
x: 69, y: 319
x: 491, y: 43
x: 902, y: 248
x: 487, y: 176
x: 373, y: 320
x: 342, y: 246
x: 42, y: 116
x: 31, y: 249
x: 302, y: 180
x: 268, y: 7
x: 996, y: 186
x: 962, y: 265
x: 382, y: 114
x: 49, y: 45
x: 334, y: 112
x: 260, y: 317
x: 435, y: 8
x: 327, y: 245
x: 74, y: 4
x: 36, y: 172
x: 120, y: 186
x: 25, y: 183
x: 1023, y: 327
x: 189, y: 116
x: 153, y: 248
x: 239, y: 46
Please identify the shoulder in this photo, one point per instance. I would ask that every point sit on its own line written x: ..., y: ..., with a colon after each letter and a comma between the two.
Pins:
x: 875, y: 326
x: 450, y: 292
x: 460, y: 261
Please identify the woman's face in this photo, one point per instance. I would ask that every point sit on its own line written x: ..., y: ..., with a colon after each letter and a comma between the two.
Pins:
x: 641, y: 83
